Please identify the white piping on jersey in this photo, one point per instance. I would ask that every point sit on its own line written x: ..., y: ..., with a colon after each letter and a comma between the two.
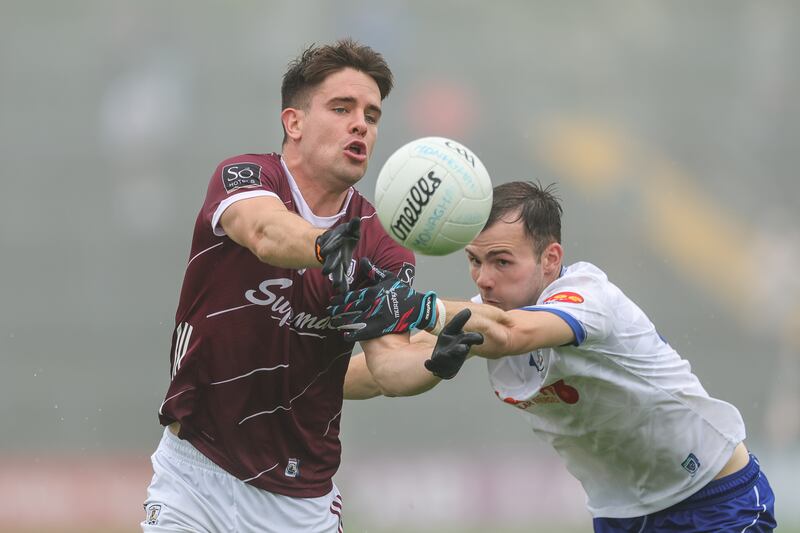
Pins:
x: 260, y: 473
x: 228, y: 310
x: 758, y: 504
x: 198, y: 254
x: 303, y: 333
x: 171, y: 397
x: 184, y: 331
x: 230, y: 200
x: 331, y: 421
x: 263, y: 369
x: 266, y: 412
x: 301, y: 392
x: 369, y: 216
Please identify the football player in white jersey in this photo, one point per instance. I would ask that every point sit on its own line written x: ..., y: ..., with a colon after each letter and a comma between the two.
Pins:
x: 653, y: 450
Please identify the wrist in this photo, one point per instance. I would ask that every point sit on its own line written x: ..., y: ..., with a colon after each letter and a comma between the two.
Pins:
x: 318, y: 248
x: 440, y: 319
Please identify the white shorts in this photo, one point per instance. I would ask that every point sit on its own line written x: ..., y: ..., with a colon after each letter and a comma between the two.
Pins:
x: 190, y: 493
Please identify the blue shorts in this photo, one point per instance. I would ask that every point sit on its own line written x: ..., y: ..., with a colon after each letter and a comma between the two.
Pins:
x: 740, y: 502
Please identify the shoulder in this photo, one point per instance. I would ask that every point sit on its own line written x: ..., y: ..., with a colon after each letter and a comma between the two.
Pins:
x: 243, y: 164
x: 577, y: 276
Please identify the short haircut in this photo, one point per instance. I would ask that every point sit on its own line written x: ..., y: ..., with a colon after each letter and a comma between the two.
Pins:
x: 538, y: 207
x: 316, y: 63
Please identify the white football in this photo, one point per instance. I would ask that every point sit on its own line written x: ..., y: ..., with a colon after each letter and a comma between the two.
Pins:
x: 433, y: 195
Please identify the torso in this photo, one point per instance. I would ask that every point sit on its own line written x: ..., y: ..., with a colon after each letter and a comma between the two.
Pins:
x: 622, y: 408
x: 257, y: 372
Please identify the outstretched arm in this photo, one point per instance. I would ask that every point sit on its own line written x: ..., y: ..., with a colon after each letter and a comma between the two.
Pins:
x: 394, y: 366
x: 281, y: 238
x: 392, y: 306
x: 511, y: 332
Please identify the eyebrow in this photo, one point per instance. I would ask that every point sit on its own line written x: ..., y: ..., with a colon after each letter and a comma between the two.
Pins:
x: 492, y: 253
x: 350, y: 100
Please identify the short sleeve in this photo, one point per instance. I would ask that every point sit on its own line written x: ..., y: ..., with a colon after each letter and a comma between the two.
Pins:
x: 235, y: 179
x: 580, y: 300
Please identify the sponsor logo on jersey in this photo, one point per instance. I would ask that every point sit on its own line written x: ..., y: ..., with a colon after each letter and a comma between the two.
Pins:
x: 691, y: 464
x: 406, y: 274
x: 558, y: 392
x: 284, y: 313
x: 241, y: 176
x: 152, y: 511
x: 292, y: 468
x: 566, y: 297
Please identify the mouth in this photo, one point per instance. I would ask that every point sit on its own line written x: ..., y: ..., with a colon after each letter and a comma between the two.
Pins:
x: 356, y: 150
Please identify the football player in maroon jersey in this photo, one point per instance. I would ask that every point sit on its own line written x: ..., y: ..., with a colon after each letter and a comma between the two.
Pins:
x: 254, y: 402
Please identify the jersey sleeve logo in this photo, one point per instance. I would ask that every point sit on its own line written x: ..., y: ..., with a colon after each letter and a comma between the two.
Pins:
x: 566, y: 297
x: 241, y: 176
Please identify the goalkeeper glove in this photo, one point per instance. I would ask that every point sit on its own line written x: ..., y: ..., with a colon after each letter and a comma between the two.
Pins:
x: 334, y: 249
x: 389, y: 306
x: 452, y: 347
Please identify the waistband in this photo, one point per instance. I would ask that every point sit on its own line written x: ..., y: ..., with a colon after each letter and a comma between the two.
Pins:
x: 724, y: 487
x: 184, y: 450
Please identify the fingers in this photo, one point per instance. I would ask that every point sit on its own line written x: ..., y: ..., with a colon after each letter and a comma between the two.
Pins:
x: 354, y: 327
x: 455, y: 325
x: 353, y: 229
x: 471, y: 338
x: 344, y: 320
x: 339, y: 280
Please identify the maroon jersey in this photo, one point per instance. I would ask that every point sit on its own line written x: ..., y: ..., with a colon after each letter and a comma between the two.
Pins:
x: 257, y: 372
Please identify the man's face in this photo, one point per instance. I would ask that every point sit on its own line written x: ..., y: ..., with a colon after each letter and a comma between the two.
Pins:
x: 339, y: 127
x: 504, y: 266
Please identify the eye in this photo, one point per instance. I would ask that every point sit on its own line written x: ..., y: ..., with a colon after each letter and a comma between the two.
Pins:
x: 371, y: 119
x: 503, y: 262
x: 473, y: 261
x: 339, y: 110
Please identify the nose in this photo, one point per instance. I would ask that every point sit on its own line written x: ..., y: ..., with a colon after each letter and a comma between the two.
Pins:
x: 483, y: 279
x: 359, y: 126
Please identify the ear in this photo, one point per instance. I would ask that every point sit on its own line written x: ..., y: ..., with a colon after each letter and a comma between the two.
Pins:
x: 292, y: 119
x: 551, y: 258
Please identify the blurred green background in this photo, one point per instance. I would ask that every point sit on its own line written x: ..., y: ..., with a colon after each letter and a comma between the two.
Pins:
x: 671, y: 129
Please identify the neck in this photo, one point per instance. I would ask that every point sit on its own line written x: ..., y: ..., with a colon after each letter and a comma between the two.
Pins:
x: 322, y: 198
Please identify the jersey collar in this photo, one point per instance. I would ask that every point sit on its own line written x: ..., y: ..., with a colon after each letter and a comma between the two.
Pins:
x: 302, y: 207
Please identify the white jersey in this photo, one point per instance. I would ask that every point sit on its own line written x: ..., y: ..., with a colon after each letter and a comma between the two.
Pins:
x: 622, y: 408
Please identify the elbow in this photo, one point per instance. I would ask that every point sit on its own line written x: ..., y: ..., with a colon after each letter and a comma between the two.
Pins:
x: 263, y: 252
x: 392, y: 389
x: 389, y: 391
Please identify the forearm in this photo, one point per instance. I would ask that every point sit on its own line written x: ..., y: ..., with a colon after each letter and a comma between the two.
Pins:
x: 272, y: 233
x: 358, y: 382
x: 285, y: 240
x: 398, y: 368
x: 511, y: 332
x: 491, y: 322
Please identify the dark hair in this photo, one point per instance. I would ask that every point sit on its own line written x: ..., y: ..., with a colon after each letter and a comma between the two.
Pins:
x: 537, y: 207
x: 318, y: 62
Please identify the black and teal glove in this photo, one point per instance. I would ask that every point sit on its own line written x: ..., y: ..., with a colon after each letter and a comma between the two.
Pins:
x: 388, y: 306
